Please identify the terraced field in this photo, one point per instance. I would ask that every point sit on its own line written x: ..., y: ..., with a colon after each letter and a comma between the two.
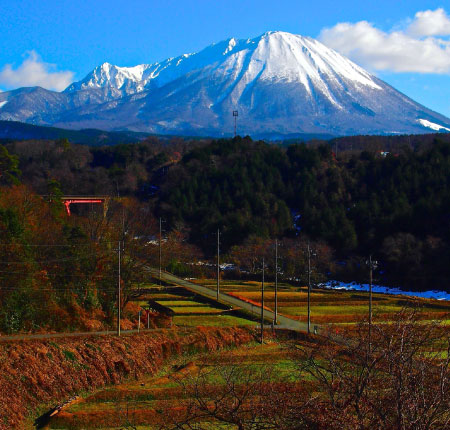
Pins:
x: 332, y: 306
x: 147, y: 403
x: 192, y: 311
x: 335, y: 307
x: 152, y: 401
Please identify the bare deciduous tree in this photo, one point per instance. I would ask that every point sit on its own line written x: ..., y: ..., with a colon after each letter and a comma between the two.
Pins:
x: 243, y: 396
x: 399, y: 380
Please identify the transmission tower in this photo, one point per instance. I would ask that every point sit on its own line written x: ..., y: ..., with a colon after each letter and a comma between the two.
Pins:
x: 235, y: 115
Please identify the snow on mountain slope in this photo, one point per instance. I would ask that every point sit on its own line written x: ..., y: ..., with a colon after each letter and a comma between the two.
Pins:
x: 432, y: 125
x: 127, y: 80
x: 130, y: 80
x: 280, y: 83
x: 279, y: 57
x: 289, y: 57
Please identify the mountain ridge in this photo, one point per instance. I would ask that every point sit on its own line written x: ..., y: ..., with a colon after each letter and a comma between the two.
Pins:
x: 280, y: 84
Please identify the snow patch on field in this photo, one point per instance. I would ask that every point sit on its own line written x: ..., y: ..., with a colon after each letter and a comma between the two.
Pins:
x: 353, y: 286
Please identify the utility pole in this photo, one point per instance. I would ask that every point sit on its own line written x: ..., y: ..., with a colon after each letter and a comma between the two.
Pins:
x: 139, y: 323
x: 370, y: 291
x: 276, y: 283
x: 118, y: 294
x: 218, y: 263
x: 262, y: 303
x: 309, y: 288
x: 310, y: 254
x: 372, y: 266
x: 160, y: 233
x: 235, y: 115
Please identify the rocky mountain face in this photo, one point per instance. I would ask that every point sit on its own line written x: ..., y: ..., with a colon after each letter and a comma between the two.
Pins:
x: 280, y: 83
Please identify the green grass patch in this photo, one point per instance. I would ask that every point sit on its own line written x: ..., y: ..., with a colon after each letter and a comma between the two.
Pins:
x: 339, y: 309
x: 178, y: 303
x: 69, y: 355
x: 211, y: 321
x: 183, y: 310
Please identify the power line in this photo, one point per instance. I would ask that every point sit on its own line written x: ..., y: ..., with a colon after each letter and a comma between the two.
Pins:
x: 68, y: 287
x: 57, y: 291
x: 218, y: 264
x: 48, y: 261
x: 57, y: 245
x: 118, y: 293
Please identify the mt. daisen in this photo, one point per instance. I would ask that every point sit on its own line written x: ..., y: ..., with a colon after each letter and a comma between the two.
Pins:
x: 281, y: 84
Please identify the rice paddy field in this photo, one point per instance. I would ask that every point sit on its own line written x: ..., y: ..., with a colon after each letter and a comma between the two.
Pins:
x: 190, y: 310
x: 328, y: 307
x: 147, y: 402
x: 336, y: 307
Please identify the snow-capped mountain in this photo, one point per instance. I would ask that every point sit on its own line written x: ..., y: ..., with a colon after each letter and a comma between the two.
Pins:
x: 280, y: 83
x: 119, y: 81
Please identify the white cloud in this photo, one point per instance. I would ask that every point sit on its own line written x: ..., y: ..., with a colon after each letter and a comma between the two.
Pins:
x: 430, y: 23
x: 34, y: 72
x: 411, y: 50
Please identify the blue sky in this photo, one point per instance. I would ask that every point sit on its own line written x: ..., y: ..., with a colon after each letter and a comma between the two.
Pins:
x: 51, y: 42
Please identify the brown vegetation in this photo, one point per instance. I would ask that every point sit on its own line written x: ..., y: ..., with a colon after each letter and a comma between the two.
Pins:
x: 41, y: 371
x: 393, y: 377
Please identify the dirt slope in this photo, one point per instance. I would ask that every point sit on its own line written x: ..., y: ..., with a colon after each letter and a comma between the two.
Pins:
x: 34, y: 372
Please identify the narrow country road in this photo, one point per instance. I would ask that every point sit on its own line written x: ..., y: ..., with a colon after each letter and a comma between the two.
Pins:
x: 283, y: 321
x: 68, y: 334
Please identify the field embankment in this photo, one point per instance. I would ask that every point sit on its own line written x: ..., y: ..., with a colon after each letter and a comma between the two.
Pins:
x: 37, y: 372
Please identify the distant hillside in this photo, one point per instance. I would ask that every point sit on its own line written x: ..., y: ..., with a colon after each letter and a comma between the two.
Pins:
x: 14, y: 130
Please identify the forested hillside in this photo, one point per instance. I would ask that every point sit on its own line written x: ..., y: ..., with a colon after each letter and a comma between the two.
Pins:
x: 61, y: 273
x: 394, y: 206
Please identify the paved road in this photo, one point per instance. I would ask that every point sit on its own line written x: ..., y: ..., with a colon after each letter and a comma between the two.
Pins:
x: 75, y: 334
x: 283, y: 321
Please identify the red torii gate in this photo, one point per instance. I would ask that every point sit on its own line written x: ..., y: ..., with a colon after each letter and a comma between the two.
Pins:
x: 68, y: 200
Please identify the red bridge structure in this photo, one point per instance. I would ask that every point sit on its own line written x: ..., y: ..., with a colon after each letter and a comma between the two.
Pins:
x: 69, y: 200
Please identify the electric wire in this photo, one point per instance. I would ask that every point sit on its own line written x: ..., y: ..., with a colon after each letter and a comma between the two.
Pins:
x: 50, y: 261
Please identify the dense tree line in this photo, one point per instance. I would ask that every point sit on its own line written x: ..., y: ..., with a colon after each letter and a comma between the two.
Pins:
x: 125, y: 169
x: 393, y: 205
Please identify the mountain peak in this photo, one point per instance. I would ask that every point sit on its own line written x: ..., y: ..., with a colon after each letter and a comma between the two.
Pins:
x: 277, y: 33
x: 282, y: 56
x: 281, y: 83
x: 120, y: 80
x: 231, y: 44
